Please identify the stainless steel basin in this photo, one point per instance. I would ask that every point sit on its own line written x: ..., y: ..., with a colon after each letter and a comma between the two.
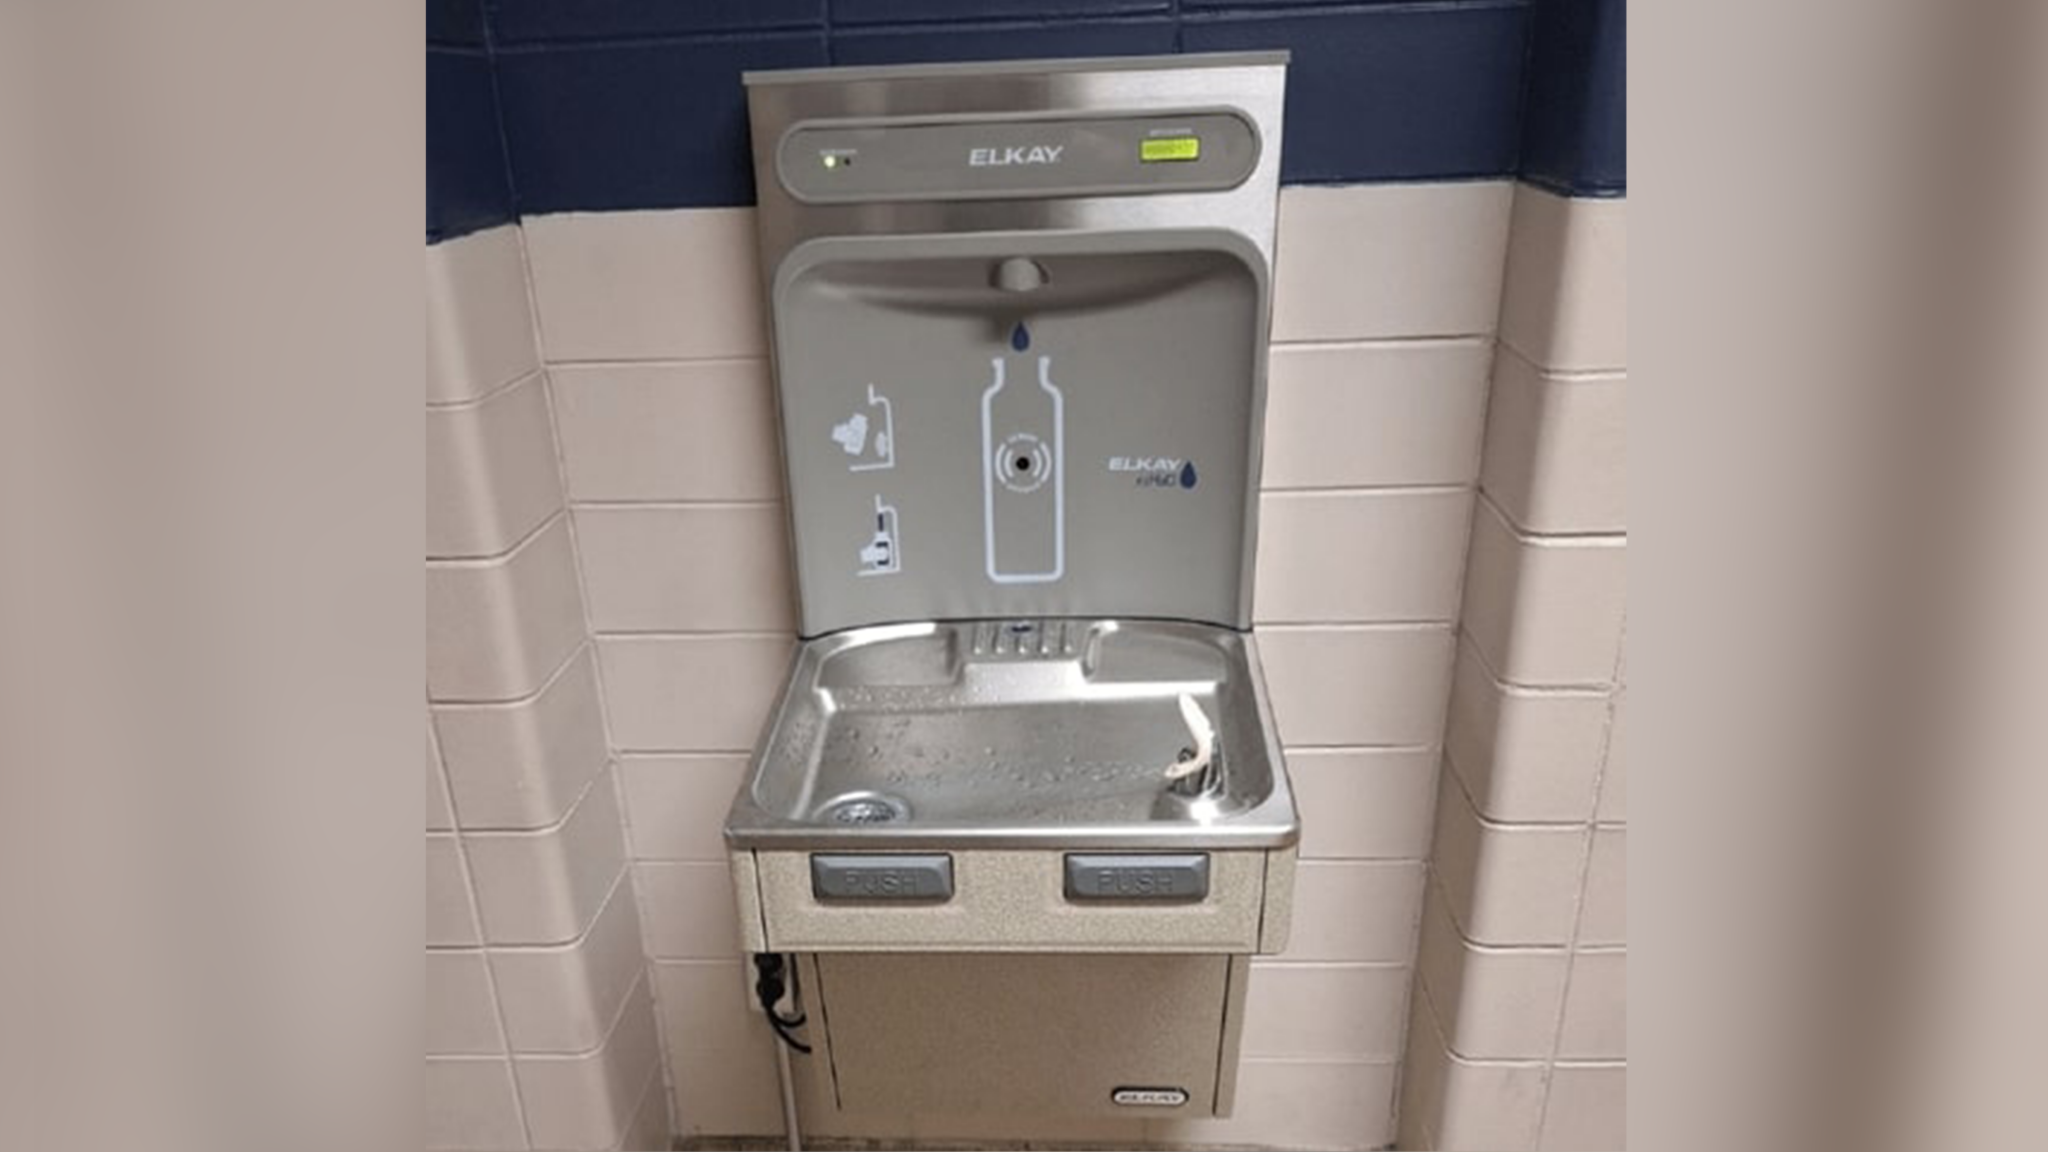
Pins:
x: 1016, y: 733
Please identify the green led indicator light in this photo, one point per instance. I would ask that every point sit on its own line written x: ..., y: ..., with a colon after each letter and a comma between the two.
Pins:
x: 831, y: 161
x: 1169, y: 148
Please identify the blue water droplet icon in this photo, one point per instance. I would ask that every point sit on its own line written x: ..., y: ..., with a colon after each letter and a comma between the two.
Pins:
x: 1187, y: 474
x: 1019, y: 338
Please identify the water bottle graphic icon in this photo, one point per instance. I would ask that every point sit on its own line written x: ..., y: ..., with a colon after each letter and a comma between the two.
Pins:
x: 1023, y: 478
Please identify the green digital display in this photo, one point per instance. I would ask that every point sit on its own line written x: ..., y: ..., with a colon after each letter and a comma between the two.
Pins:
x: 1169, y: 148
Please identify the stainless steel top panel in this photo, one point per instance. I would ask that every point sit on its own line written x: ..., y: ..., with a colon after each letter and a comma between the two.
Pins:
x: 1049, y: 733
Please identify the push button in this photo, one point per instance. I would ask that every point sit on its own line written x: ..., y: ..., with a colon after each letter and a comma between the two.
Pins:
x: 878, y: 877
x: 1179, y: 877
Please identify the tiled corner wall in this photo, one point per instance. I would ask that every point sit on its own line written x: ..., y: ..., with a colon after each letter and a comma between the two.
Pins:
x: 609, y: 594
x: 668, y: 504
x: 1376, y: 399
x: 1517, y: 1036
x: 610, y: 613
x: 540, y: 1029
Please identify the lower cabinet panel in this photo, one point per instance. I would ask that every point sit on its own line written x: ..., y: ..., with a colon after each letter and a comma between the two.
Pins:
x: 1016, y: 1033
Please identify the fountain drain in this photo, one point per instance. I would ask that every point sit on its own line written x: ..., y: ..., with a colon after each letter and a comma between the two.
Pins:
x: 865, y: 808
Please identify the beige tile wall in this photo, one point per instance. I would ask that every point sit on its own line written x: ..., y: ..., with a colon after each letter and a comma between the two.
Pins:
x: 1518, y: 1036
x: 628, y: 673
x: 540, y: 1028
x: 1386, y: 301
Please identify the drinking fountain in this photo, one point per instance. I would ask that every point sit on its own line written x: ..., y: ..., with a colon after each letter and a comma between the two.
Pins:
x: 1020, y: 817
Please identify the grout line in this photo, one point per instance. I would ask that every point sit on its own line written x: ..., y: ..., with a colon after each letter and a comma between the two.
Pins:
x: 622, y: 756
x: 1571, y: 964
x: 491, y: 52
x: 611, y: 1028
x: 1488, y: 823
x: 1362, y: 626
x: 1607, y: 732
x: 628, y: 752
x: 1411, y: 988
x: 664, y: 1071
x: 687, y: 634
x: 1569, y: 375
x: 452, y: 407
x: 1615, y: 375
x: 654, y: 1080
x: 1549, y: 539
x: 1389, y: 342
x: 536, y: 331
x: 1465, y: 544
x: 498, y: 559
x: 1466, y: 639
x: 577, y: 363
x: 1459, y: 489
x: 1262, y: 964
x: 1443, y: 1040
x: 583, y: 935
x: 520, y: 701
x: 476, y: 913
x: 1444, y: 487
x: 1345, y: 1061
x: 674, y: 504
x: 1467, y: 645
x: 548, y: 829
x: 1435, y: 885
x: 1431, y: 880
x: 736, y: 960
x: 702, y: 36
x: 1360, y: 747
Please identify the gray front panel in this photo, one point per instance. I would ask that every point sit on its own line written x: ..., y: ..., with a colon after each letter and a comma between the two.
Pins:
x: 1023, y: 1036
x: 986, y: 157
x: 1082, y: 447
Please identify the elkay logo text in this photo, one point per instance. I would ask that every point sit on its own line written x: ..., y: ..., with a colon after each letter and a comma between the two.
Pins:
x: 999, y: 157
x: 1156, y: 471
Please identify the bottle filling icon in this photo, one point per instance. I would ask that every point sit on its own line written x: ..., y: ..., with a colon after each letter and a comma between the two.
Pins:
x: 882, y: 555
x: 1023, y: 479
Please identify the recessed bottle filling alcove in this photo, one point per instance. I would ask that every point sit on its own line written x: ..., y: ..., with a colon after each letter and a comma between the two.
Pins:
x: 1019, y: 317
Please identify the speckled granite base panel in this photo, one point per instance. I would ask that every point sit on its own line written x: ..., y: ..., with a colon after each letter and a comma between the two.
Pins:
x: 848, y: 1144
x: 1012, y: 901
x: 746, y: 891
x: 1278, y: 916
x: 867, y: 1144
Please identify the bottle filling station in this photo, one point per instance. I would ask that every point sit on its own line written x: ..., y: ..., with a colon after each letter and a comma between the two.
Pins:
x: 1020, y: 818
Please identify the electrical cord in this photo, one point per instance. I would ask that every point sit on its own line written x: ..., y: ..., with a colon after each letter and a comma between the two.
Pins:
x: 769, y: 986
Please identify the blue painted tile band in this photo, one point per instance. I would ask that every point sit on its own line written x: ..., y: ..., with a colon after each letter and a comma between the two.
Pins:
x: 926, y: 11
x: 660, y: 125
x: 622, y: 104
x: 466, y: 182
x: 1389, y: 93
x: 1268, y: 5
x: 455, y: 23
x: 1575, y: 134
x: 937, y: 43
x: 567, y: 21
